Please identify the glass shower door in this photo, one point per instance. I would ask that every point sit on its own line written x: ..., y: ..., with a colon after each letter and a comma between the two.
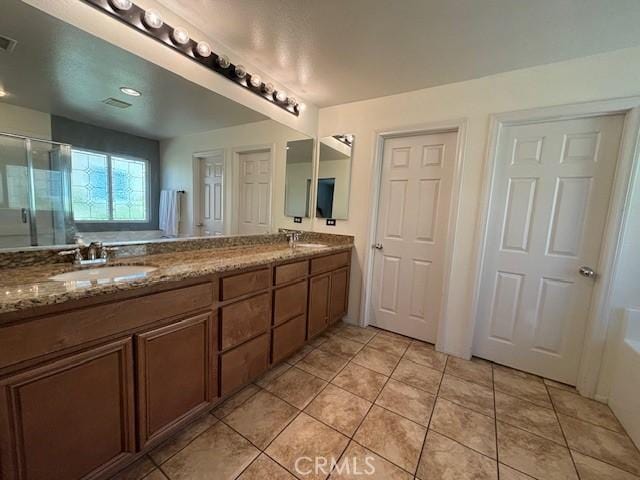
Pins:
x: 50, y: 164
x: 35, y: 196
x: 15, y: 218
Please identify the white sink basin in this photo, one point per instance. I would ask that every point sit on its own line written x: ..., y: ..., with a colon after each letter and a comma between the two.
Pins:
x: 311, y: 245
x: 108, y: 274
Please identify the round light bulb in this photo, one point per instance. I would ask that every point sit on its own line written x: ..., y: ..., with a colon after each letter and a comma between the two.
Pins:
x: 180, y: 36
x: 255, y: 80
x: 152, y: 19
x: 281, y: 95
x: 223, y: 61
x: 291, y: 101
x: 122, y: 5
x: 301, y: 107
x: 203, y: 49
x: 3, y: 93
x: 241, y: 72
x: 269, y: 88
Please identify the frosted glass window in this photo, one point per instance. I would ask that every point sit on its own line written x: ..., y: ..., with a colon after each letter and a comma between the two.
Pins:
x: 108, y: 188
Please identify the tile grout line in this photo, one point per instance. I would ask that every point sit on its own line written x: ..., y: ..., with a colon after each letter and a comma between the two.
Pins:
x: 424, y: 441
x: 555, y: 412
x: 495, y: 420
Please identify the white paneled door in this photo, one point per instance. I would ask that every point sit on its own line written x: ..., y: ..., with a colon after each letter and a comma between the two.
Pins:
x: 212, y: 194
x: 254, y: 204
x: 548, y: 211
x: 411, y: 233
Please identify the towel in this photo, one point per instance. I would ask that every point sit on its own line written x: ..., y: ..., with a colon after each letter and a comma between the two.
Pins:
x: 169, y: 212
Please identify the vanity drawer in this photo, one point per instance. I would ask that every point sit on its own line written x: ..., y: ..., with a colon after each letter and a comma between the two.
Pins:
x: 288, y: 338
x: 244, y: 283
x: 244, y: 319
x: 291, y: 271
x: 330, y: 262
x: 289, y: 302
x: 244, y: 364
x: 53, y: 333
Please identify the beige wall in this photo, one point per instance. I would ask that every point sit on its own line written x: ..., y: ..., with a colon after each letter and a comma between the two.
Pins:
x: 615, y: 74
x: 176, y: 163
x: 24, y: 121
x: 297, y: 177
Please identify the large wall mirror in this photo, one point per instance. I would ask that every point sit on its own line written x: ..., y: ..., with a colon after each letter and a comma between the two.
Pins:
x: 97, y: 142
x: 298, y: 177
x: 334, y: 176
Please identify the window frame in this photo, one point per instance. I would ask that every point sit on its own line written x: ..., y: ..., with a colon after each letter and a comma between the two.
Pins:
x: 147, y: 182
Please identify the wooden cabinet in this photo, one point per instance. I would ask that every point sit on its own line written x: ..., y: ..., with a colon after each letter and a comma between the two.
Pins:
x: 73, y: 328
x: 177, y: 375
x: 234, y: 286
x: 291, y: 272
x: 329, y: 262
x: 288, y: 338
x: 68, y: 405
x: 71, y: 418
x: 289, y: 302
x: 339, y: 294
x: 244, y: 364
x: 244, y: 320
x: 318, y: 319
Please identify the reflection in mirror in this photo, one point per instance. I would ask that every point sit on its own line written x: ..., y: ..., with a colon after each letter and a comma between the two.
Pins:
x: 298, y: 178
x: 334, y: 177
x: 80, y: 156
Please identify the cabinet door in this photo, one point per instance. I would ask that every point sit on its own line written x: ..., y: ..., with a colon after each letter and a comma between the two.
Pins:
x: 339, y: 296
x: 289, y: 302
x: 244, y: 364
x: 176, y: 374
x: 318, y: 304
x: 69, y: 419
x: 288, y: 338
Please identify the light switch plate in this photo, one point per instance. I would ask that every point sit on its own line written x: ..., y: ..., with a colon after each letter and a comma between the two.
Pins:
x: 331, y: 222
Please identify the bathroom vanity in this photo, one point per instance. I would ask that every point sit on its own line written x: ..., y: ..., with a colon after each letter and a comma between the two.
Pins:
x: 91, y: 378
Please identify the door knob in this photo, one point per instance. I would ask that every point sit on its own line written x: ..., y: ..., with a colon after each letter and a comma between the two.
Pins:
x: 377, y: 246
x: 587, y: 272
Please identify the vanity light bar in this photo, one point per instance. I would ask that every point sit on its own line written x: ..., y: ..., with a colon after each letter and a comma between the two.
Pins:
x: 150, y: 23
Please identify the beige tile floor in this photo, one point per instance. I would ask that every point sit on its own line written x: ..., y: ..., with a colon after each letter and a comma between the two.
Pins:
x: 396, y: 409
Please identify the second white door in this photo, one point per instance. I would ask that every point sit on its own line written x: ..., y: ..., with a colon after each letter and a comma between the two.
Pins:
x: 411, y: 233
x: 254, y: 202
x: 548, y: 211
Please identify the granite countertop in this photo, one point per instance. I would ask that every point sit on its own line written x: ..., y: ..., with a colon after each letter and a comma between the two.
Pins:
x: 28, y: 287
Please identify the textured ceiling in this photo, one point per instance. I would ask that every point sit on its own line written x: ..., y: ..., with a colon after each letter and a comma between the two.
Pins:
x: 337, y: 51
x: 59, y: 69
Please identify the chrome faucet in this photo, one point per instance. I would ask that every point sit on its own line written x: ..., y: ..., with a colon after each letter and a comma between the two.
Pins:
x: 293, y: 238
x: 97, y: 254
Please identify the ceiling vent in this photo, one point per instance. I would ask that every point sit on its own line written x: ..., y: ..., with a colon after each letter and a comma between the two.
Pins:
x: 7, y: 44
x: 114, y: 102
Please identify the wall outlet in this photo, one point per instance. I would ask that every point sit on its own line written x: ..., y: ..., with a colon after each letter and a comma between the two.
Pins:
x: 331, y: 222
x: 297, y: 219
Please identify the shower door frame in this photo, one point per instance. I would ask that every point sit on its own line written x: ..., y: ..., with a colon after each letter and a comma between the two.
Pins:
x: 31, y: 187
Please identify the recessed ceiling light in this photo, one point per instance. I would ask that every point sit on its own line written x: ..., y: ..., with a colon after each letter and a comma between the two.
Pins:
x: 130, y: 91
